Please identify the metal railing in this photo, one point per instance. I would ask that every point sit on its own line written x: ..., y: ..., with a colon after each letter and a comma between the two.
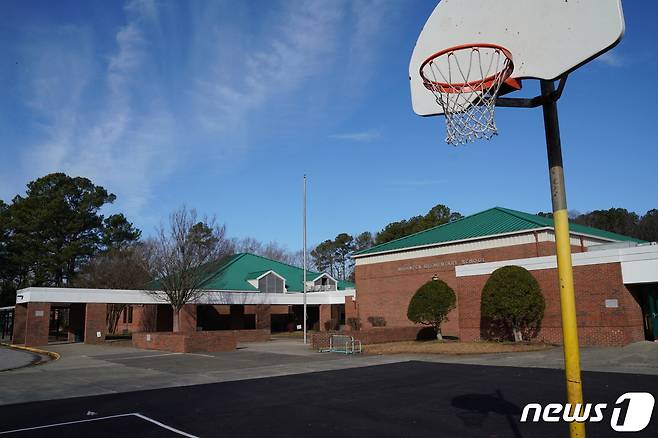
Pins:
x: 320, y: 287
x: 342, y: 344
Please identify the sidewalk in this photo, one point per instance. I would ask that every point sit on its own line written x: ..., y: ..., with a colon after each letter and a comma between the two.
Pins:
x: 636, y: 358
x: 103, y: 369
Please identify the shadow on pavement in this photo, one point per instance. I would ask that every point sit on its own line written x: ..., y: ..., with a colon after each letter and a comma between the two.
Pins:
x: 473, y: 409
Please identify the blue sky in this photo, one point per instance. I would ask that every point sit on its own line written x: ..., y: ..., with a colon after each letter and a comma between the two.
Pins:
x: 223, y: 105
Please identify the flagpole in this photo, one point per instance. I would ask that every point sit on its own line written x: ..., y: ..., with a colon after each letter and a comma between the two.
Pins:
x: 304, y: 286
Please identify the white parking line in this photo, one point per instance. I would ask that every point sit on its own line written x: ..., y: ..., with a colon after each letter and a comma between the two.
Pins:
x: 199, y: 354
x: 109, y: 417
x: 180, y: 432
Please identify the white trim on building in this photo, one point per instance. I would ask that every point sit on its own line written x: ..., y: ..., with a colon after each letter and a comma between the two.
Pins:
x: 639, y: 264
x: 123, y: 296
x: 458, y: 246
x: 324, y: 274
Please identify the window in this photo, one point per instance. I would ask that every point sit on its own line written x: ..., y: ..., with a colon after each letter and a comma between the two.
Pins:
x: 128, y: 315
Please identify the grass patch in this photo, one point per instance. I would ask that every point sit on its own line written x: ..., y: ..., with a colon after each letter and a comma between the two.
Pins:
x: 453, y: 347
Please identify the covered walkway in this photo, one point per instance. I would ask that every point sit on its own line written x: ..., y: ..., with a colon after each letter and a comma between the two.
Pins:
x: 44, y: 315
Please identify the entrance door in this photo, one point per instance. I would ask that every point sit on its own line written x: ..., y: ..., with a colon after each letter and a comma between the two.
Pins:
x: 59, y: 324
x: 6, y: 323
x: 651, y: 313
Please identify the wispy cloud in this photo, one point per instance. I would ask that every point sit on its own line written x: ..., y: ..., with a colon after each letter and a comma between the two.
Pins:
x: 291, y: 56
x: 170, y: 86
x: 362, y: 136
x: 293, y: 45
x: 612, y: 58
x: 116, y: 139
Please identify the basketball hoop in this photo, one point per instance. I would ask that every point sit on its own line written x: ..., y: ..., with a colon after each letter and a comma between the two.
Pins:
x: 465, y: 81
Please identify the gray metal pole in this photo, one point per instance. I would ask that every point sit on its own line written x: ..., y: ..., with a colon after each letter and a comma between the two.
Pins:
x: 563, y: 252
x: 304, y: 286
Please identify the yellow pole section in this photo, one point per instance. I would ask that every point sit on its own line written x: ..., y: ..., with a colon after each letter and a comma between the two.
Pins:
x: 569, y: 321
x: 563, y: 250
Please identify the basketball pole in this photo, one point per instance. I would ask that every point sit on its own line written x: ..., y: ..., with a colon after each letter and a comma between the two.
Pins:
x: 563, y: 250
x: 304, y: 286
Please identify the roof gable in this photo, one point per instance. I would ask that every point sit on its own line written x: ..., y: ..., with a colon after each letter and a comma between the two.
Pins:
x: 235, y: 273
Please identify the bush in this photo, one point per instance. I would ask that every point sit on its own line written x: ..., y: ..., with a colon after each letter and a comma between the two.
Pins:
x: 354, y: 323
x: 331, y: 325
x: 431, y: 304
x: 377, y: 321
x: 512, y: 299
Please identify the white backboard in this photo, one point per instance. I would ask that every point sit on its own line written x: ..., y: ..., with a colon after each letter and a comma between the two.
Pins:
x: 547, y: 38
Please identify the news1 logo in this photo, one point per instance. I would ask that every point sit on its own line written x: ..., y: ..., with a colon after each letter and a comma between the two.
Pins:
x: 637, y: 408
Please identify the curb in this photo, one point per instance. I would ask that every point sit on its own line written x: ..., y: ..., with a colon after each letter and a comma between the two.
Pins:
x: 51, y: 354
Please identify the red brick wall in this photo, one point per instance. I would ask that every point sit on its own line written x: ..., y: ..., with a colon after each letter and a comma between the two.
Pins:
x: 384, y: 290
x: 351, y: 309
x: 36, y: 325
x: 186, y: 342
x: 20, y: 321
x: 211, y: 341
x: 159, y: 341
x: 143, y: 316
x: 281, y: 309
x: 222, y: 309
x: 187, y: 318
x: 597, y: 325
x: 95, y: 322
x: 325, y: 316
x: 250, y: 309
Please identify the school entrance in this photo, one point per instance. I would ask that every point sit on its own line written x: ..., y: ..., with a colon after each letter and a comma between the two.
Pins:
x: 649, y: 304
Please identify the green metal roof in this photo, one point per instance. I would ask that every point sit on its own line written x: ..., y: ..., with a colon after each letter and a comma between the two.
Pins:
x: 234, y: 273
x: 487, y: 223
x: 254, y: 275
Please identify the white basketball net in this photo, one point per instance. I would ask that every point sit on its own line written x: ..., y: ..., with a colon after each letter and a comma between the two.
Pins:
x: 465, y: 83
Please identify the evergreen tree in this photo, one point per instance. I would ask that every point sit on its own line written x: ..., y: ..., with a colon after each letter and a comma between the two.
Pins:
x: 512, y: 297
x: 431, y: 305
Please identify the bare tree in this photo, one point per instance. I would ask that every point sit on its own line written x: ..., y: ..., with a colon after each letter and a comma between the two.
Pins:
x: 247, y: 244
x: 182, y: 256
x: 117, y: 268
x: 271, y: 250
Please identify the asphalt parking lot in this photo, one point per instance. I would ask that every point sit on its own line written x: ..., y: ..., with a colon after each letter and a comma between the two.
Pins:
x: 391, y: 400
x: 85, y: 370
x: 11, y: 358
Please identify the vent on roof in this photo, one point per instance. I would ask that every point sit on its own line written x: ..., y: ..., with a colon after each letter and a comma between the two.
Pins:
x: 271, y: 284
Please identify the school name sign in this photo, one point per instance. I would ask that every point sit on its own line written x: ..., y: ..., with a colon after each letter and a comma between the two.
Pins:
x: 444, y: 264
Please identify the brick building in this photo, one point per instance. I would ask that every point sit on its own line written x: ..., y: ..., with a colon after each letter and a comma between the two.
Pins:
x: 616, y: 277
x: 245, y: 292
x: 616, y: 282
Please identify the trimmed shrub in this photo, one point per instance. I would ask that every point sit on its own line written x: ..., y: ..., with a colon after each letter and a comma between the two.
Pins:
x: 330, y: 325
x: 377, y: 321
x: 431, y: 304
x: 512, y: 300
x: 354, y: 323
